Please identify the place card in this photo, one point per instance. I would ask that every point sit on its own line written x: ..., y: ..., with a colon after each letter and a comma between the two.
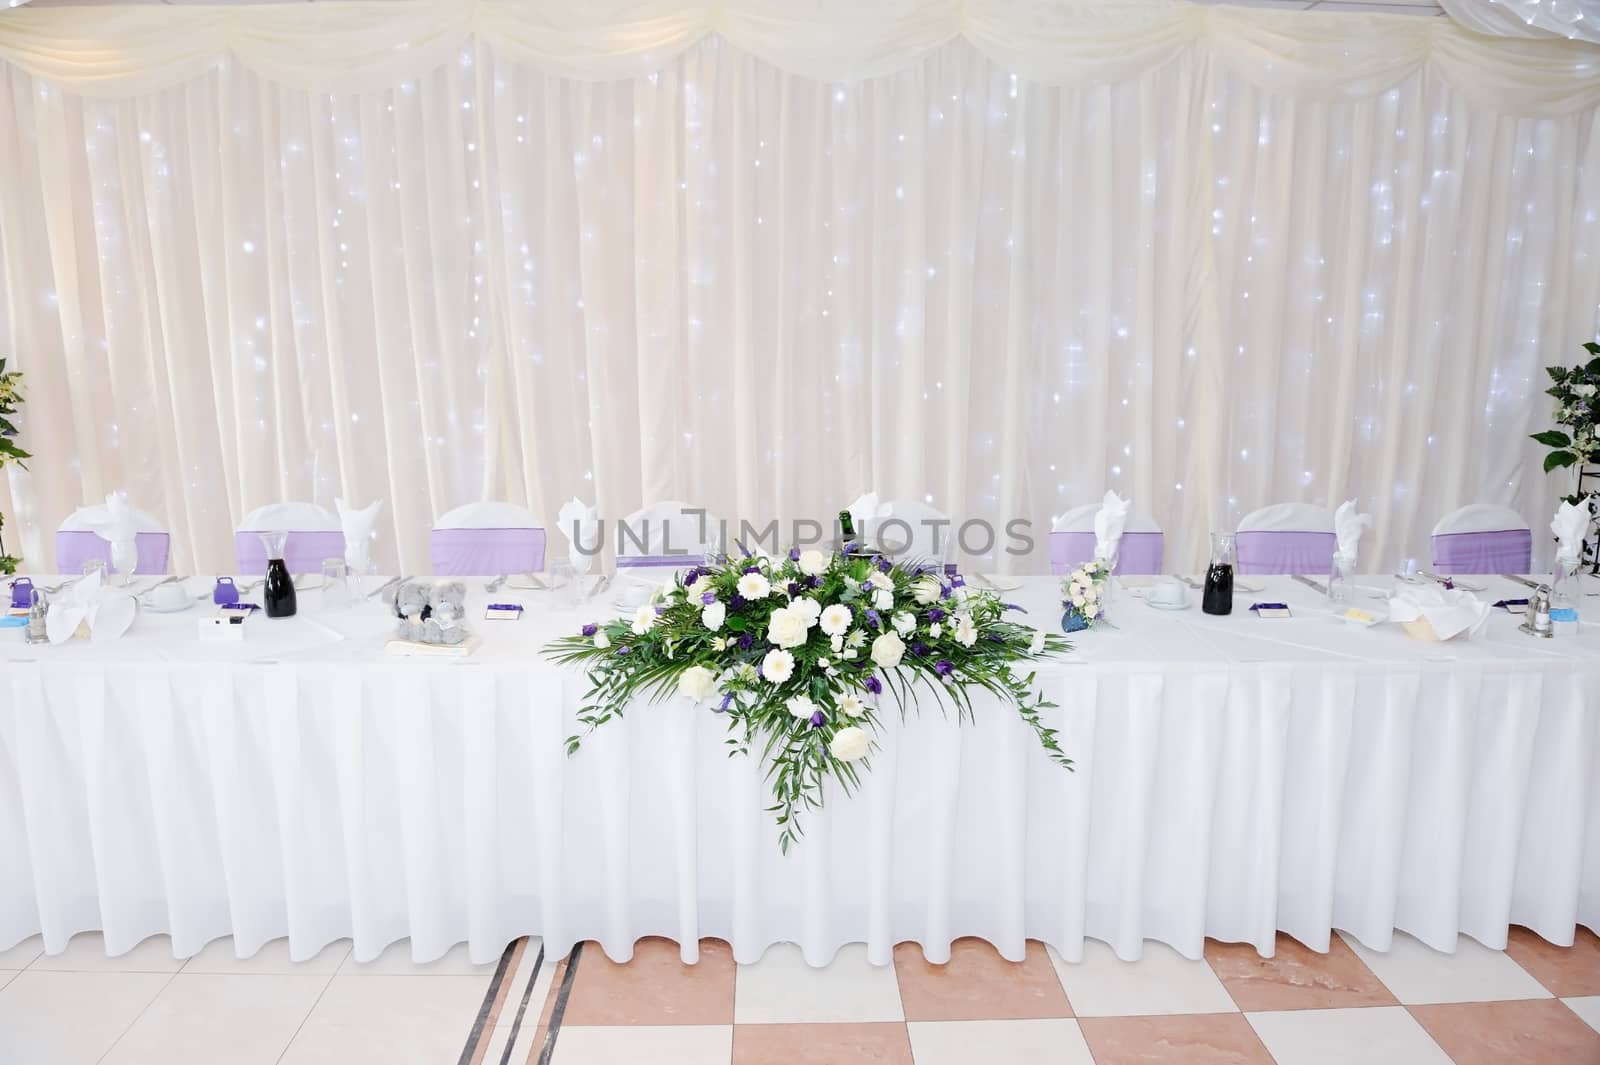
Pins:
x: 502, y: 612
x: 1271, y: 610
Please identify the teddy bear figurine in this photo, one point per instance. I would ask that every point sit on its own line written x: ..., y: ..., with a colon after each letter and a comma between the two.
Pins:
x: 446, y: 622
x: 412, y: 608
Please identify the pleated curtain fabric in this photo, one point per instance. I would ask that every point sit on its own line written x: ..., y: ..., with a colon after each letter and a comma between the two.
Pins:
x: 981, y: 254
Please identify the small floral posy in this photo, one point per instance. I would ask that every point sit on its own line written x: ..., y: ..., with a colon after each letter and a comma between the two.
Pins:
x: 1082, y: 602
x: 796, y: 651
x: 1576, y: 390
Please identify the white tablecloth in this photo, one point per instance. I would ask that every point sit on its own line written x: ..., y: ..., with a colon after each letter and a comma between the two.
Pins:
x: 1235, y: 776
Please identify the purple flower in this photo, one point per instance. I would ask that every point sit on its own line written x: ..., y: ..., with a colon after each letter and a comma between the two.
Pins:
x: 813, y: 582
x: 746, y: 642
x: 945, y: 592
x: 1013, y: 606
x: 708, y: 598
x: 936, y: 614
x: 793, y: 589
x: 794, y: 554
x: 874, y: 685
x: 752, y: 568
x: 590, y: 629
x: 624, y: 649
x: 817, y: 719
x: 736, y: 601
x: 872, y: 616
x: 944, y: 667
x: 884, y: 565
x: 727, y: 701
x: 919, y: 648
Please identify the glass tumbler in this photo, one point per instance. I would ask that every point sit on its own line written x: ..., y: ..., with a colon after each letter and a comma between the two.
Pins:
x: 335, y: 583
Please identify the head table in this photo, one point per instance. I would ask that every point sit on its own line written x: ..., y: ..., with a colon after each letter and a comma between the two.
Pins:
x: 1234, y: 776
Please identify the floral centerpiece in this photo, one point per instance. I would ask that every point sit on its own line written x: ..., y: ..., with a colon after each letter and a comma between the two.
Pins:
x: 1081, y: 600
x: 795, y: 653
x: 1576, y: 390
x: 10, y: 397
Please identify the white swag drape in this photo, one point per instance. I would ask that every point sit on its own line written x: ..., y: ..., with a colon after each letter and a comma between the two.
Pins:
x: 1212, y: 258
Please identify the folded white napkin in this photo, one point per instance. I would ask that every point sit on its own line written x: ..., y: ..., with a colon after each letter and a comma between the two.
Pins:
x: 118, y: 528
x: 357, y: 527
x: 866, y: 508
x: 107, y: 611
x: 1571, y: 525
x: 1347, y: 529
x: 1450, y: 611
x: 580, y: 524
x: 1108, y: 523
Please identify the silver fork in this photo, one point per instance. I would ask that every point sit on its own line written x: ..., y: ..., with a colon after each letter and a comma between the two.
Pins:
x: 494, y: 585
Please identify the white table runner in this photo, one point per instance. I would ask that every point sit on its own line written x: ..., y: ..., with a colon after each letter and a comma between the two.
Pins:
x: 1235, y: 776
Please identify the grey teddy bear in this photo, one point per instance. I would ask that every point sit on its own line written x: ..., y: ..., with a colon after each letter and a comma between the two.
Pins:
x: 431, y: 613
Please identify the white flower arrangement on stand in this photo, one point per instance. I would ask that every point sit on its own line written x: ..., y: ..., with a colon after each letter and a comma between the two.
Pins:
x: 1083, y: 595
x: 795, y: 652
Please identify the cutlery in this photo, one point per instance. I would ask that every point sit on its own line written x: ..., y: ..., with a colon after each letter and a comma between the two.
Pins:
x: 1463, y: 585
x: 1525, y: 582
x: 159, y: 583
x: 1243, y: 587
x: 604, y: 582
x: 1309, y: 583
x: 494, y: 585
x: 1191, y: 582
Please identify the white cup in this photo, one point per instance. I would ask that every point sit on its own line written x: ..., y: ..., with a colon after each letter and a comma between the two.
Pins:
x: 1168, y: 593
x: 168, y: 597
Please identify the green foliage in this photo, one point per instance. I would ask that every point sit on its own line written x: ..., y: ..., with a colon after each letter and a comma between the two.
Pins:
x: 1576, y: 390
x: 10, y: 399
x: 807, y: 708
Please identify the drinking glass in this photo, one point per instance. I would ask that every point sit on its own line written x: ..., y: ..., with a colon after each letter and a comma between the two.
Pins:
x: 95, y: 565
x: 1564, y: 593
x: 124, y: 559
x: 335, y: 583
x: 565, y: 588
x: 1342, y: 579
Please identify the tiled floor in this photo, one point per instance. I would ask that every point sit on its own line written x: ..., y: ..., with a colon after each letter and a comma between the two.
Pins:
x: 1532, y: 1004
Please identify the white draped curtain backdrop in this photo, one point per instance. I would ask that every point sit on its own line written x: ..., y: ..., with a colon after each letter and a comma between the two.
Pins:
x: 998, y: 256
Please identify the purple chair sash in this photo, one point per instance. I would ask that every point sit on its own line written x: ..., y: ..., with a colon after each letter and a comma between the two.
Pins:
x: 305, y: 552
x: 1137, y: 553
x: 74, y: 548
x: 1266, y: 551
x: 487, y: 552
x: 659, y: 561
x: 1506, y: 551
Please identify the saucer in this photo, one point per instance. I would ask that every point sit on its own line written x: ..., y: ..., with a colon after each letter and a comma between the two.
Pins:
x: 176, y: 608
x: 1167, y: 606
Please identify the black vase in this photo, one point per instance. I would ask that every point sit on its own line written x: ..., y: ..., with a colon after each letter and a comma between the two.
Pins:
x: 277, y: 592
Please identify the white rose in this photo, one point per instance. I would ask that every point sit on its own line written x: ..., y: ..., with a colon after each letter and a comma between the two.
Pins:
x: 927, y: 589
x: 904, y: 623
x: 883, y: 599
x: 813, y: 563
x: 808, y: 607
x: 713, y: 615
x: 1038, y: 642
x: 887, y: 650
x: 966, y: 631
x: 935, y: 630
x: 697, y: 682
x: 754, y: 586
x: 787, y: 627
x: 836, y: 620
x: 778, y: 666
x: 880, y: 579
x: 601, y: 640
x: 836, y: 644
x: 849, y: 744
x: 644, y: 619
x: 800, y: 706
x: 851, y: 705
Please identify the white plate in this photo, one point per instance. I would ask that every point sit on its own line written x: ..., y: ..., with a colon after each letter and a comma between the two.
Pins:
x: 1167, y: 606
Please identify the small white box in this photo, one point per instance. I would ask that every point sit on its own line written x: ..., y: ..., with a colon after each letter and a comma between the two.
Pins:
x: 221, y: 629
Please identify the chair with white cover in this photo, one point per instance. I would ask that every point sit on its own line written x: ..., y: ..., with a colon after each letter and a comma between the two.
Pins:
x: 77, y: 542
x: 667, y: 535
x: 314, y: 537
x: 911, y: 530
x: 1286, y: 538
x: 1072, y: 542
x: 1482, y: 538
x: 487, y: 540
